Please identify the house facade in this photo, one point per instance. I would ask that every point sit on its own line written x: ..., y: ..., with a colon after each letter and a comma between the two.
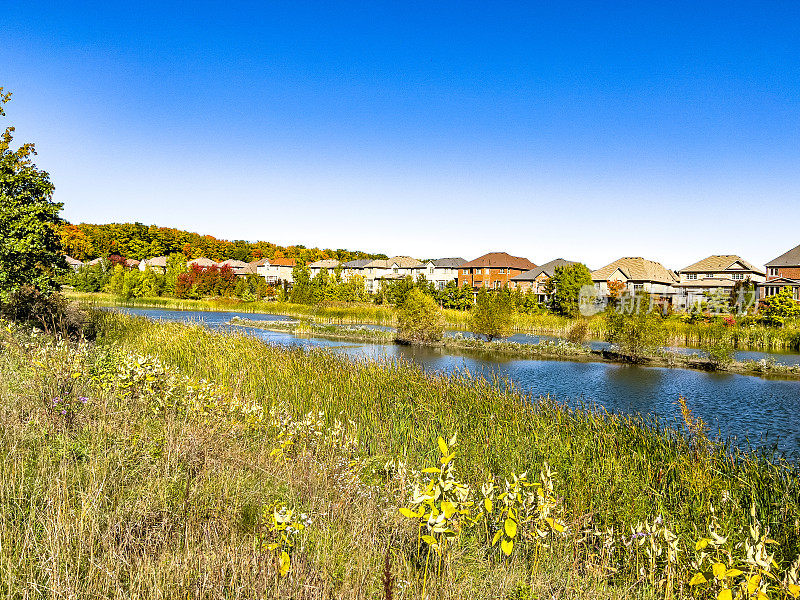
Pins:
x: 493, y: 270
x: 275, y: 270
x: 354, y: 268
x: 329, y: 264
x: 720, y: 273
x: 440, y: 271
x: 535, y: 280
x: 157, y: 264
x: 73, y: 263
x: 782, y: 272
x: 637, y: 274
x: 380, y: 270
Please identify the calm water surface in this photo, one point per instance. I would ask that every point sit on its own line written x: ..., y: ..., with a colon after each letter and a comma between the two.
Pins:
x: 752, y: 411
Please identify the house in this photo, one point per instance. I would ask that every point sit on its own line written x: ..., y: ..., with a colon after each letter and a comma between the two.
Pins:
x: 277, y: 270
x: 157, y: 264
x: 73, y: 263
x: 202, y: 262
x: 354, y: 267
x: 536, y: 279
x: 637, y: 274
x: 380, y: 270
x: 95, y: 261
x: 237, y: 266
x: 439, y: 272
x: 493, y: 270
x: 252, y: 266
x: 329, y: 264
x: 131, y: 263
x: 719, y: 272
x: 782, y: 272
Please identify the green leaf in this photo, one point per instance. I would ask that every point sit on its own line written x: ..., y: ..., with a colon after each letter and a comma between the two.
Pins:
x: 698, y: 579
x: 428, y: 539
x: 496, y: 537
x: 443, y: 447
x: 407, y: 512
x: 283, y: 564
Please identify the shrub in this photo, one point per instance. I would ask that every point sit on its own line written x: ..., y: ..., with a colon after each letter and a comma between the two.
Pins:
x: 52, y: 313
x: 419, y: 319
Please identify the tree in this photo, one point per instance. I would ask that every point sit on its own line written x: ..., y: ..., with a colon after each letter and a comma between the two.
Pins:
x: 493, y: 314
x: 564, y: 287
x: 419, y: 319
x: 780, y: 307
x: 30, y: 248
x: 635, y: 327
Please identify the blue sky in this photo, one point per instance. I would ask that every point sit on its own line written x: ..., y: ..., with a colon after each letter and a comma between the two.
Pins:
x: 586, y: 131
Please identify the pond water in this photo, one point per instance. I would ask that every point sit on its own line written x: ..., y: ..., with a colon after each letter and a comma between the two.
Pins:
x: 752, y: 411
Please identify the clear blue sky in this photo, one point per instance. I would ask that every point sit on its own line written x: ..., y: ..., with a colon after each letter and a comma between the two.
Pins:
x: 584, y: 131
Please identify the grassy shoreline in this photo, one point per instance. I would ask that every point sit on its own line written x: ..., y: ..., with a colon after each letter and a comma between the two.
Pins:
x: 678, y: 333
x: 544, y: 350
x: 163, y: 481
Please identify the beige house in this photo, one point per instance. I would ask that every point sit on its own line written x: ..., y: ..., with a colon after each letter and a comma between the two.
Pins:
x: 277, y: 270
x: 237, y: 266
x: 380, y: 270
x: 73, y: 263
x: 439, y: 272
x: 637, y: 274
x: 536, y: 279
x: 201, y: 262
x: 157, y: 264
x: 329, y: 264
x: 719, y: 272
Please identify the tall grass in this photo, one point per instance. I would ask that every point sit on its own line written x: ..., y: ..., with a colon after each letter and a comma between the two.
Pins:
x: 159, y: 486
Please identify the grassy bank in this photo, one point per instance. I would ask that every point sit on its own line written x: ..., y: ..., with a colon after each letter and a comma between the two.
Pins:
x: 678, y: 333
x: 158, y: 462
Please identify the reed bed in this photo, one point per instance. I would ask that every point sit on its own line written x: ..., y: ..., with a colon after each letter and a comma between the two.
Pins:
x: 168, y: 460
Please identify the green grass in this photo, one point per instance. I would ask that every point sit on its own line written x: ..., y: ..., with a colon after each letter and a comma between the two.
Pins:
x: 157, y: 486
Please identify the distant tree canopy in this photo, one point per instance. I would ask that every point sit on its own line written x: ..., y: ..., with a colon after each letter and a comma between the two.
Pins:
x: 135, y: 240
x: 565, y: 286
x: 419, y: 318
x: 30, y: 249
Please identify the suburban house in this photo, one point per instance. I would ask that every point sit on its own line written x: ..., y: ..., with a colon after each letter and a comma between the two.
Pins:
x: 719, y: 272
x: 252, y: 267
x: 157, y: 264
x: 131, y: 263
x: 440, y: 271
x: 493, y: 270
x: 782, y: 272
x: 237, y: 266
x: 637, y: 274
x: 329, y: 264
x: 95, y: 261
x: 380, y: 270
x: 73, y: 263
x: 201, y: 262
x: 275, y: 270
x: 536, y: 279
x: 354, y: 267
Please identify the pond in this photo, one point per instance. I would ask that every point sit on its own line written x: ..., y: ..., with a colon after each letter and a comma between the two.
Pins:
x: 752, y: 411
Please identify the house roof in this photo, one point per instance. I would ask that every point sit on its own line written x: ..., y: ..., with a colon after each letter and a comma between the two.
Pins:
x: 282, y: 262
x: 637, y: 268
x: 720, y: 262
x: 501, y: 260
x: 156, y: 261
x: 325, y: 263
x: 448, y: 263
x: 201, y: 262
x: 251, y: 268
x: 404, y: 262
x: 259, y: 263
x: 357, y: 264
x: 131, y: 262
x: 708, y: 282
x: 548, y: 268
x: 73, y: 262
x: 233, y: 263
x: 790, y: 259
x: 95, y: 261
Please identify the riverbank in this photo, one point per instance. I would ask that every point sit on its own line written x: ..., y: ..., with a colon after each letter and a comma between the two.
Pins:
x: 677, y: 332
x: 561, y: 350
x: 159, y: 461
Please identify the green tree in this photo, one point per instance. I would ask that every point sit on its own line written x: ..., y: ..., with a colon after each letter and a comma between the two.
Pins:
x: 493, y: 314
x: 780, y: 307
x: 117, y: 280
x: 635, y: 327
x: 419, y: 318
x: 176, y: 264
x: 565, y: 286
x: 30, y: 245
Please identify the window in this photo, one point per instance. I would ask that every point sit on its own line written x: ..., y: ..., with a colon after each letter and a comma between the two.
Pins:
x: 638, y: 287
x: 497, y: 284
x: 709, y: 275
x: 691, y: 276
x: 501, y: 271
x: 738, y: 276
x: 396, y: 270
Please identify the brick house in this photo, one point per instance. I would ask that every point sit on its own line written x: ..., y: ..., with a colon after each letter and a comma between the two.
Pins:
x: 493, y: 270
x: 782, y: 272
x: 536, y: 279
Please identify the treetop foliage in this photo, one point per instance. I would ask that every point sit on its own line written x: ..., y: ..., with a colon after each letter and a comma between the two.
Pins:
x: 136, y: 240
